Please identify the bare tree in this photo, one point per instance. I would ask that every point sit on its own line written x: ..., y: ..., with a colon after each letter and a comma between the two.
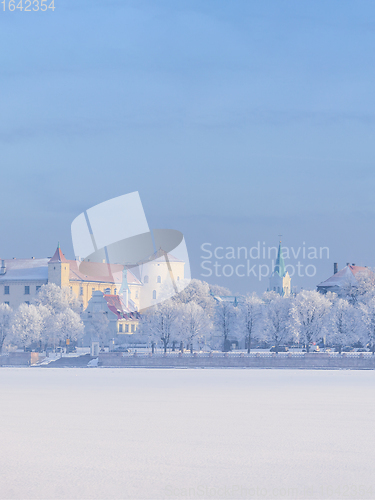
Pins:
x: 250, y: 311
x: 225, y: 321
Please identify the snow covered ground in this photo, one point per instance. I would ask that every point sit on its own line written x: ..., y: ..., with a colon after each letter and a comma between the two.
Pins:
x: 134, y: 433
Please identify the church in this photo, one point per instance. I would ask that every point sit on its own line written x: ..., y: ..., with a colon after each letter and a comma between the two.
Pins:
x: 280, y: 281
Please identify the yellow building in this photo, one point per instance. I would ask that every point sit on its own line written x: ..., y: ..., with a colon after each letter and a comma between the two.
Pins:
x: 20, y: 279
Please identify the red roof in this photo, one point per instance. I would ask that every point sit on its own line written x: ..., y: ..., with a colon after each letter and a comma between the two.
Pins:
x: 117, y: 307
x: 344, y: 276
x: 98, y: 272
x: 58, y: 256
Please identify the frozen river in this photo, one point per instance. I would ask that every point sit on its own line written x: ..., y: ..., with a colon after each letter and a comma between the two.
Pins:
x: 143, y: 433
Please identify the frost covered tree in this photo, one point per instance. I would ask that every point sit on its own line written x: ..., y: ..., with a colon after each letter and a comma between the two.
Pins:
x: 198, y: 292
x: 308, y: 313
x: 368, y: 318
x: 60, y: 309
x: 360, y: 289
x: 219, y: 290
x: 276, y: 327
x: 26, y: 325
x: 5, y: 317
x: 47, y: 334
x: 226, y: 321
x: 250, y: 316
x: 68, y: 325
x: 161, y: 322
x: 57, y: 298
x: 195, y: 324
x: 343, y: 323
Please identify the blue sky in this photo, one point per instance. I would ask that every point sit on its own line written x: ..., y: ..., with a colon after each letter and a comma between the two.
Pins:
x: 236, y: 122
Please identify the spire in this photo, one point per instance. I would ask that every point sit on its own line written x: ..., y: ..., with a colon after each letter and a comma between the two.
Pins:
x: 124, y: 285
x: 280, y: 265
x: 58, y: 255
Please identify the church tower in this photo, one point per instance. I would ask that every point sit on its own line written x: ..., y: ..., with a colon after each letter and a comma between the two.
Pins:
x: 280, y: 281
x: 58, y: 269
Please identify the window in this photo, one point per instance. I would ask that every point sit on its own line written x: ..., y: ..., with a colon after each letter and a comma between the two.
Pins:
x: 120, y: 328
x: 93, y: 289
x: 136, y: 294
x: 6, y: 290
x: 27, y: 290
x: 115, y: 291
x: 158, y: 279
x: 146, y: 279
x: 38, y: 288
x: 126, y: 328
x: 178, y: 278
x: 27, y: 302
x: 81, y: 290
x: 7, y: 303
x: 133, y: 328
x: 154, y: 294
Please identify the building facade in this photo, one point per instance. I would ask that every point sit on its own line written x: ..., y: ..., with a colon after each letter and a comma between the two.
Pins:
x: 341, y: 281
x: 20, y: 280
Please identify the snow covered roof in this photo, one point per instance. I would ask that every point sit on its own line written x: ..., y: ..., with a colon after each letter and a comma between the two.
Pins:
x: 37, y: 270
x: 116, y: 306
x: 345, y: 276
x: 25, y: 270
x: 234, y: 299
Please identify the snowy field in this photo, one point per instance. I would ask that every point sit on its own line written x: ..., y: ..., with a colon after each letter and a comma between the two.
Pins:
x: 143, y: 433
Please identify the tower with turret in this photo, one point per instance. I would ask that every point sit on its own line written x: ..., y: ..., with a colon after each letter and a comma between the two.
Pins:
x: 58, y: 269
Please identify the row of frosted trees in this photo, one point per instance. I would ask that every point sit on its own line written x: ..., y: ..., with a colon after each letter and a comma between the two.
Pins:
x: 49, y: 322
x: 197, y: 320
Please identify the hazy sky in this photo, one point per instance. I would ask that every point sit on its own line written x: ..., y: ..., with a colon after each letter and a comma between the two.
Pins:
x: 235, y: 121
